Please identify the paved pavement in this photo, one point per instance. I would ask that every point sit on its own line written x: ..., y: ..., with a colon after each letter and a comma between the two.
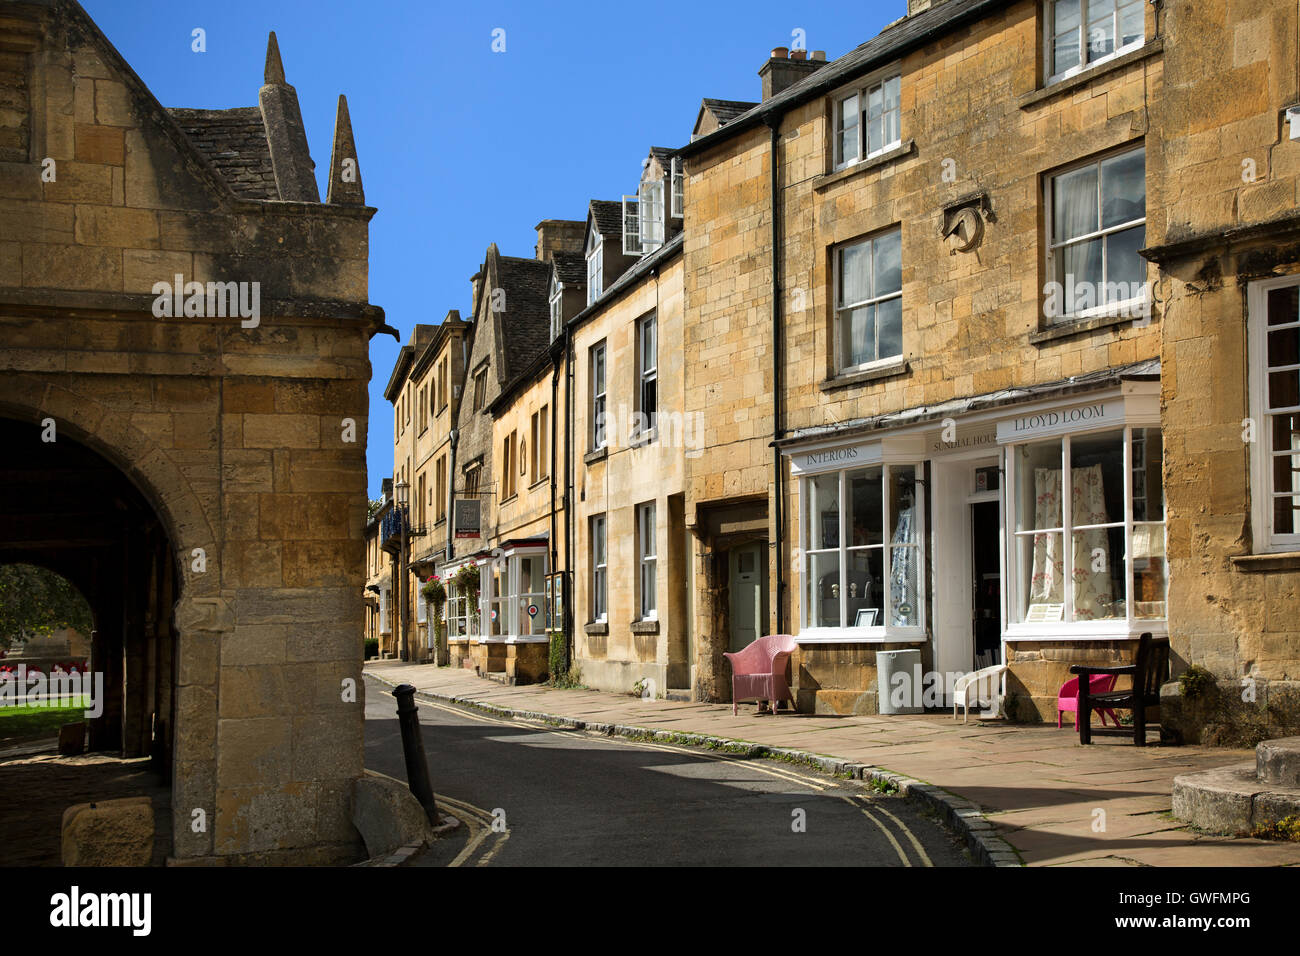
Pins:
x: 568, y: 798
x: 1038, y: 787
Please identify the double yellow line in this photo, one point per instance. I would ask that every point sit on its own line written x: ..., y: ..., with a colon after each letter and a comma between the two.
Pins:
x: 481, y: 821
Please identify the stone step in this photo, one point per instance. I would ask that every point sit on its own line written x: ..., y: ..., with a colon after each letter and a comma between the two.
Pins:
x: 1232, y: 800
x: 1277, y: 762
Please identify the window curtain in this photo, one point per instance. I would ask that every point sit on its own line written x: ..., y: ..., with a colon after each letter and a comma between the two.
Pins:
x: 1092, y: 589
x: 1076, y: 215
x: 902, y: 569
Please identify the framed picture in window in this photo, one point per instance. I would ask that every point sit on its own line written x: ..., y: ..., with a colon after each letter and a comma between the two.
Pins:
x: 867, y: 617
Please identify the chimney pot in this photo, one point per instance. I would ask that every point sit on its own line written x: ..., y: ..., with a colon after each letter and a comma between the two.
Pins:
x: 780, y: 52
x: 798, y: 54
x: 819, y: 55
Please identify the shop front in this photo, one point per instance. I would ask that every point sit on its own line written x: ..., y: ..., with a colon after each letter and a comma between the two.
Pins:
x: 496, y: 611
x: 953, y: 534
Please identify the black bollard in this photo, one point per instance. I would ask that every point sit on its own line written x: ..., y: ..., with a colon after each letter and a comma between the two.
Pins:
x: 417, y: 765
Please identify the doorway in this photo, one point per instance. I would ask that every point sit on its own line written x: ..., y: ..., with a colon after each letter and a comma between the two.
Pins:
x: 986, y: 584
x: 966, y: 566
x: 747, y: 585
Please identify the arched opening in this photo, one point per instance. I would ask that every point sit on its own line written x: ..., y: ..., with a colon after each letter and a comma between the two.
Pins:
x: 66, y: 508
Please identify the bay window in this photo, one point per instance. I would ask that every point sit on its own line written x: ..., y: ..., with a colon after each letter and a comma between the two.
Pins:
x: 1274, y: 391
x: 513, y: 593
x: 1098, y: 224
x: 869, y: 301
x: 1083, y: 32
x: 1088, y: 543
x: 862, y: 551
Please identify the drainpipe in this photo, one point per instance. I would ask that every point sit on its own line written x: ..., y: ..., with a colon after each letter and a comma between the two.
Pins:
x: 568, y: 497
x: 453, y: 437
x: 555, y: 394
x: 774, y: 124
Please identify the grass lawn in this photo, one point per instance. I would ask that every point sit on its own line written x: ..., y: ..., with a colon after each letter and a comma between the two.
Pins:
x: 29, y: 721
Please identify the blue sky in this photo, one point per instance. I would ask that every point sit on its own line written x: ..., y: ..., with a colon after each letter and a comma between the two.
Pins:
x: 460, y: 146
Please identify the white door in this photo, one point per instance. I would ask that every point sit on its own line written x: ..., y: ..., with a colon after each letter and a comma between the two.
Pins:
x: 746, y: 587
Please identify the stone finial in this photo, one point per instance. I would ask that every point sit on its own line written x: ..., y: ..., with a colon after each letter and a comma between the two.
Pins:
x: 345, y: 171
x: 274, y: 73
x: 295, y: 173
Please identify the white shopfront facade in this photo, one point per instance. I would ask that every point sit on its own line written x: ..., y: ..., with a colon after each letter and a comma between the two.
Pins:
x: 511, y: 606
x: 957, y: 533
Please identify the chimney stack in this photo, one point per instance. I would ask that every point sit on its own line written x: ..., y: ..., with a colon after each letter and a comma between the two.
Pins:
x: 559, y: 235
x: 787, y: 67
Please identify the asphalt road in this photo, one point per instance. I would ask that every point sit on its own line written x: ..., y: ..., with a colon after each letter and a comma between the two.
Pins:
x: 537, y: 796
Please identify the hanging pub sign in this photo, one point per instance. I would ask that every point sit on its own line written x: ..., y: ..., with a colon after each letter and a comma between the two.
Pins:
x: 468, y: 515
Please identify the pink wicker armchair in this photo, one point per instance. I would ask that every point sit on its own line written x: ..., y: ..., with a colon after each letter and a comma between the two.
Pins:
x: 758, y: 672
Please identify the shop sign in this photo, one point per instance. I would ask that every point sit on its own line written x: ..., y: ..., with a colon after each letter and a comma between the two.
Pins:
x: 1060, y: 421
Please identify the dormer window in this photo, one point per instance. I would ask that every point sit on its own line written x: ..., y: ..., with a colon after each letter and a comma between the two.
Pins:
x: 557, y: 308
x: 595, y: 264
x: 678, y: 209
x: 643, y: 219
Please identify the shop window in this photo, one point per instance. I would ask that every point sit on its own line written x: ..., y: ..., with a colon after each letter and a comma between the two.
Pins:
x: 515, y: 586
x: 1089, y: 537
x: 869, y: 301
x: 1273, y: 430
x: 1081, y: 33
x: 1098, y: 224
x: 862, y: 549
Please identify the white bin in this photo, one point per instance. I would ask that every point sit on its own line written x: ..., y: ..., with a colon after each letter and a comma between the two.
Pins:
x: 898, y: 681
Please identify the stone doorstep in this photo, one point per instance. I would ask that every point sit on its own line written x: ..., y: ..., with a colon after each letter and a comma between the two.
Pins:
x: 1232, y: 800
x: 960, y: 814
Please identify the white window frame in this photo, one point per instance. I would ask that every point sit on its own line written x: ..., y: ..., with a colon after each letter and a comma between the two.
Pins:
x: 595, y: 264
x: 647, y: 375
x: 598, y: 542
x: 1049, y: 38
x: 678, y: 193
x: 599, y: 357
x: 650, y: 215
x: 1133, y: 305
x: 843, y: 308
x: 861, y: 95
x: 647, y: 561
x: 631, y: 225
x: 1265, y: 541
x: 881, y: 632
x: 557, y: 308
x: 1067, y: 629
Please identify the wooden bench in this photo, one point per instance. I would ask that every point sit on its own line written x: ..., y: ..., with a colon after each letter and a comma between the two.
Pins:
x: 1149, y: 671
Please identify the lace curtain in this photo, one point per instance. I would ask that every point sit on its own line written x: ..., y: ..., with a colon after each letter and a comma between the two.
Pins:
x: 1092, y: 589
x: 902, y: 570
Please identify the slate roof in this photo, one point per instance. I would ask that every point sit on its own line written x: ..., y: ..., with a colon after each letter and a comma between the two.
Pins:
x: 234, y: 141
x: 664, y: 156
x: 570, y: 268
x: 727, y: 110
x: 526, y: 322
x: 609, y: 218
